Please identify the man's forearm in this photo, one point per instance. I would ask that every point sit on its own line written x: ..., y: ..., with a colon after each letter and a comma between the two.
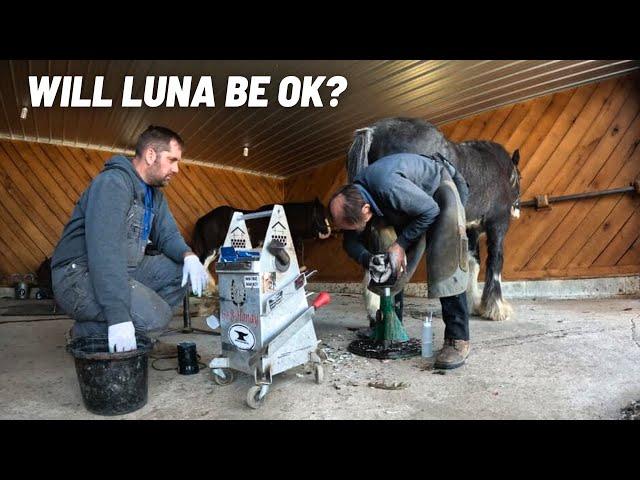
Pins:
x: 412, y: 232
x: 167, y: 237
x: 355, y: 249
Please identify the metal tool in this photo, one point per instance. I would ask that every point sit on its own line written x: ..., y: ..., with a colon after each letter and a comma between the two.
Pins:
x: 186, y: 319
x: 385, y: 275
x: 265, y: 317
x: 389, y: 339
x: 545, y: 201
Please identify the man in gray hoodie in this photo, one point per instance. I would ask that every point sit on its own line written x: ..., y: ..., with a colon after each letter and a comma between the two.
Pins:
x: 419, y: 196
x: 100, y: 273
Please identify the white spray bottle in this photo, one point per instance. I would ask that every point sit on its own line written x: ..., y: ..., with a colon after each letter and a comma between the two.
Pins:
x: 427, y: 337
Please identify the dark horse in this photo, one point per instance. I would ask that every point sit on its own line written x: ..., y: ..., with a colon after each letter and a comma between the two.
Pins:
x: 494, y: 192
x: 307, y: 220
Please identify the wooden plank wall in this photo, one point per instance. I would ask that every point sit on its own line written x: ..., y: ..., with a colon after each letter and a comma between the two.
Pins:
x: 578, y: 140
x: 40, y: 184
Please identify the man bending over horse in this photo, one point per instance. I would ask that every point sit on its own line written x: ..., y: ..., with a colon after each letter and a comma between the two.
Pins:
x: 101, y: 276
x: 417, y: 196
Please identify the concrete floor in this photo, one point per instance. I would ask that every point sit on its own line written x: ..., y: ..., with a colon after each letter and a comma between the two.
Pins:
x: 562, y: 359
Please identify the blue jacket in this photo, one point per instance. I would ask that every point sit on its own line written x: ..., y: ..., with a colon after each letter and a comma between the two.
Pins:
x: 104, y: 233
x: 402, y: 187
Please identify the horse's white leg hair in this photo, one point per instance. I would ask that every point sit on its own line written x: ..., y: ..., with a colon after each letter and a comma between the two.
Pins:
x: 473, y: 295
x: 371, y: 300
x: 211, y: 288
x: 497, y: 309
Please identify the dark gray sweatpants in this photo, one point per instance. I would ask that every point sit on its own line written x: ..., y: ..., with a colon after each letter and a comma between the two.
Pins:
x: 155, y: 294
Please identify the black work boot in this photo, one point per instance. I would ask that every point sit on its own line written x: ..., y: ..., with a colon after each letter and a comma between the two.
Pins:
x: 453, y: 354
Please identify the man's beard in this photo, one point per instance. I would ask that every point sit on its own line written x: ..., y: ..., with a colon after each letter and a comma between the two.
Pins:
x: 362, y: 226
x: 158, y: 181
x: 161, y: 182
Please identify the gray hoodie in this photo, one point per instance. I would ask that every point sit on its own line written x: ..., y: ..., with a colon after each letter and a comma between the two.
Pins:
x: 104, y: 234
x: 402, y: 187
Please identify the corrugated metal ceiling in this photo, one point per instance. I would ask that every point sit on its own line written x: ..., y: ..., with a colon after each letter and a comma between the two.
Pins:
x: 282, y: 141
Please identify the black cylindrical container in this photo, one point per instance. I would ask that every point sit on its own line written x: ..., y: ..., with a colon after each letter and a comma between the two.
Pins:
x: 111, y: 383
x: 22, y: 291
x: 187, y: 358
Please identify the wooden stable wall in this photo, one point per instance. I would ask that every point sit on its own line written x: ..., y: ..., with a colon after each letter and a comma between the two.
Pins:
x: 40, y: 184
x: 578, y: 140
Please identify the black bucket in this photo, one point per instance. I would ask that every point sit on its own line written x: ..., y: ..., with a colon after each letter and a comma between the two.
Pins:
x: 111, y: 383
x: 21, y: 291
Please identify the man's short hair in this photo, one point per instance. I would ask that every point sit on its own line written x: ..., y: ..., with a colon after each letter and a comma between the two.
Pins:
x: 157, y: 138
x: 353, y: 203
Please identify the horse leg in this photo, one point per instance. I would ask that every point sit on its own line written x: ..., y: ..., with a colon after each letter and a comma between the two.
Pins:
x: 493, y: 306
x: 371, y: 300
x: 211, y: 288
x: 380, y: 239
x: 473, y: 295
x: 298, y: 245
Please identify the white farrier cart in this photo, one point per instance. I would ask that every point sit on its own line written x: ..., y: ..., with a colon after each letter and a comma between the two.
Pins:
x: 265, y: 318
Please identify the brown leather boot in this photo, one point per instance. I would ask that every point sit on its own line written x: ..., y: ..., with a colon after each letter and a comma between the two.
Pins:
x: 453, y: 354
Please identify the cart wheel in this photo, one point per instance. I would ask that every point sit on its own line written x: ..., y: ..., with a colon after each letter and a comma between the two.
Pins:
x: 254, y: 400
x: 319, y: 373
x: 229, y: 376
x: 39, y: 295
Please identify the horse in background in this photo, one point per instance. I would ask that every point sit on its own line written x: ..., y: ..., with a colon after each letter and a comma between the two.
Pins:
x: 307, y: 220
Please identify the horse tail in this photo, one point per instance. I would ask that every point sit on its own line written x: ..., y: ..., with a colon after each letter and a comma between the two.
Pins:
x: 357, y: 158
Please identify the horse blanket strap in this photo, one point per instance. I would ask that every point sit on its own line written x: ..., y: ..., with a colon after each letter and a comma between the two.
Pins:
x: 461, y: 183
x: 438, y: 157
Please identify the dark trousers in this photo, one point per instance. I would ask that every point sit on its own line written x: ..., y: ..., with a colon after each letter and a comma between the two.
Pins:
x: 454, y: 314
x: 156, y: 292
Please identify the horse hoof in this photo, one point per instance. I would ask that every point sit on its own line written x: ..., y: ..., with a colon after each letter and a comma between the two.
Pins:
x: 498, y: 311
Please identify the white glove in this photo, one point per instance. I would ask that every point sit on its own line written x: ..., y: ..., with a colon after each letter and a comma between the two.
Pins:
x: 213, y: 322
x: 196, y: 272
x: 122, y: 337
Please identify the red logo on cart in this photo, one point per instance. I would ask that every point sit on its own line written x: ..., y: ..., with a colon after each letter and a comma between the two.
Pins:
x: 241, y: 337
x: 234, y: 316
